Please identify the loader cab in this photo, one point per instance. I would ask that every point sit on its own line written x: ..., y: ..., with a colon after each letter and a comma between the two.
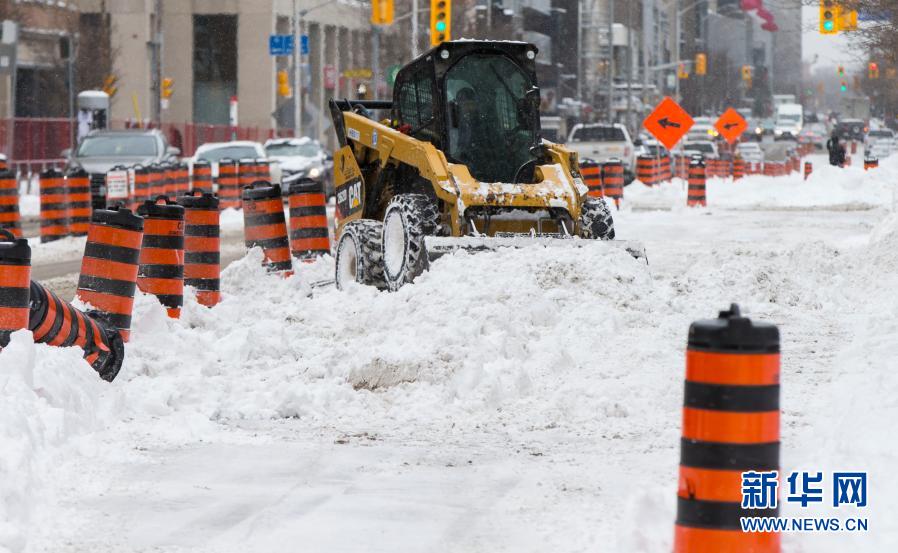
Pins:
x: 476, y: 101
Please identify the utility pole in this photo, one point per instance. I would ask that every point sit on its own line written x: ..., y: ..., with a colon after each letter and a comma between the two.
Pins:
x: 375, y: 59
x: 414, y: 29
x: 629, y: 66
x: 156, y: 46
x: 297, y: 71
x: 610, y: 61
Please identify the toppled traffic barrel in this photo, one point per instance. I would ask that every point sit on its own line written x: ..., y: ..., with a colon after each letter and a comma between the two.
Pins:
x: 10, y: 218
x: 161, y: 271
x: 264, y: 225
x: 308, y: 220
x: 730, y: 426
x: 591, y: 171
x: 202, y: 246
x: 80, y: 206
x: 54, y: 206
x: 695, y: 195
x: 613, y: 180
x: 228, y: 184
x: 57, y: 323
x: 202, y: 176
x: 109, y: 266
x: 15, y: 279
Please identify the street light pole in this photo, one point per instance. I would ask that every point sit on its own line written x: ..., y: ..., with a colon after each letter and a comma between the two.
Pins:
x: 414, y: 29
x: 297, y: 71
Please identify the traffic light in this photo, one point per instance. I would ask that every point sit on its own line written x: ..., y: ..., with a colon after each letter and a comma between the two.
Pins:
x: 844, y: 86
x: 109, y: 85
x: 283, y: 83
x: 873, y: 70
x: 848, y: 20
x: 382, y: 12
x: 440, y: 21
x: 746, y: 73
x: 701, y: 64
x: 841, y: 71
x: 830, y: 16
x: 682, y: 71
x: 167, y: 90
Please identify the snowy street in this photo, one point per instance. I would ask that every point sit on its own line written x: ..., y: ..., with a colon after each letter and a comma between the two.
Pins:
x: 518, y: 400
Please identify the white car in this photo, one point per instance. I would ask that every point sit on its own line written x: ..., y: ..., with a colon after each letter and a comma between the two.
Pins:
x: 302, y: 158
x: 751, y: 152
x: 703, y: 129
x: 880, y: 143
x: 237, y: 150
x: 601, y: 142
x: 706, y: 148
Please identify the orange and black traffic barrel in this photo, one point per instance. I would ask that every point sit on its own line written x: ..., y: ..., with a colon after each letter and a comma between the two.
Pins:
x: 731, y: 424
x: 696, y: 195
x: 57, y: 323
x: 247, y: 172
x: 202, y: 246
x: 3, y: 165
x: 183, y: 178
x: 54, y: 206
x: 870, y: 162
x: 109, y: 266
x: 157, y: 180
x: 15, y: 278
x: 665, y: 168
x: 808, y: 169
x: 646, y: 170
x: 78, y: 190
x: 308, y: 219
x: 169, y: 179
x: 613, y: 180
x: 10, y: 218
x: 161, y: 270
x: 738, y: 168
x: 591, y: 171
x: 202, y: 175
x: 264, y: 225
x: 142, y: 186
x: 263, y: 170
x: 228, y: 184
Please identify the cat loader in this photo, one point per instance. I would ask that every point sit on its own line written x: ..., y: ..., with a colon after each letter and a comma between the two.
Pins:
x: 456, y: 161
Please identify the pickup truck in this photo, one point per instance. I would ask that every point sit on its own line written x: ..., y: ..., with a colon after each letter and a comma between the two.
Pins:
x: 602, y: 141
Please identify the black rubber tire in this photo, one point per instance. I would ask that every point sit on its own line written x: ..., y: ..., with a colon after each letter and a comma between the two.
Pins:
x: 596, y: 222
x: 360, y: 240
x: 417, y: 216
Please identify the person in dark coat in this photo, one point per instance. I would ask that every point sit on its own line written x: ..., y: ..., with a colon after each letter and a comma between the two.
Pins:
x: 836, y: 150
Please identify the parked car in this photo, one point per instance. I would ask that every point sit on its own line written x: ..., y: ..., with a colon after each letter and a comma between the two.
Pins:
x: 880, y: 143
x: 213, y: 152
x: 751, y: 152
x: 101, y: 150
x: 601, y: 142
x: 302, y: 158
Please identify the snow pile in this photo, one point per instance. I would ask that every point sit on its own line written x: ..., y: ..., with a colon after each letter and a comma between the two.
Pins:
x: 827, y: 188
x: 49, y: 396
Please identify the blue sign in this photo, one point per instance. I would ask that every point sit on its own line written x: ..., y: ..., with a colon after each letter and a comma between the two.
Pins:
x: 303, y: 44
x: 280, y: 45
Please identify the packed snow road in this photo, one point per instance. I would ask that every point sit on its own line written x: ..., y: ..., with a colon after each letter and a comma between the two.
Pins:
x: 518, y: 400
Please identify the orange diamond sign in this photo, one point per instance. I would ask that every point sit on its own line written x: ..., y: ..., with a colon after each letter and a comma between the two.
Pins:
x: 668, y: 123
x: 731, y: 125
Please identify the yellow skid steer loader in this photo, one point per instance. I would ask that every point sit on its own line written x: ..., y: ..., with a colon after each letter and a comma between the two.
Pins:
x: 459, y: 163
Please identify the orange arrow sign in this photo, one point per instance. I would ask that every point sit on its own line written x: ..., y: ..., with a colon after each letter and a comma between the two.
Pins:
x: 668, y: 123
x: 731, y: 125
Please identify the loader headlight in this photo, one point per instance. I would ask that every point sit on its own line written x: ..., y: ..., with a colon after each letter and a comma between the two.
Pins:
x: 444, y: 54
x: 530, y: 54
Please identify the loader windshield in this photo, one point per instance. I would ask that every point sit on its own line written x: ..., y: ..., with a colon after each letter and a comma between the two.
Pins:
x: 493, y: 116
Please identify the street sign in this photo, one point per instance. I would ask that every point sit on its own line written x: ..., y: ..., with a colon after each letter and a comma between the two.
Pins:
x: 280, y: 45
x: 731, y: 125
x: 668, y: 123
x: 304, y: 45
x: 360, y: 73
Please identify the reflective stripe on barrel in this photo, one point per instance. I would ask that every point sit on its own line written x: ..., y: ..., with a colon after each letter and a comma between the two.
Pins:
x: 308, y: 219
x: 161, y: 270
x: 613, y: 180
x: 228, y: 184
x: 202, y: 176
x: 695, y: 196
x: 54, y: 206
x: 78, y: 191
x: 730, y: 425
x: 109, y: 266
x: 15, y: 278
x: 57, y: 323
x: 202, y: 246
x: 264, y: 225
x: 10, y: 218
x: 591, y: 172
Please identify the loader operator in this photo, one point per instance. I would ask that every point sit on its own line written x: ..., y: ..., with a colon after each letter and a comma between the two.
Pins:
x: 471, y: 131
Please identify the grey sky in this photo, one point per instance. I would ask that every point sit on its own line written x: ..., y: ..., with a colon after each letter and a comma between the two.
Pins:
x: 829, y: 49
